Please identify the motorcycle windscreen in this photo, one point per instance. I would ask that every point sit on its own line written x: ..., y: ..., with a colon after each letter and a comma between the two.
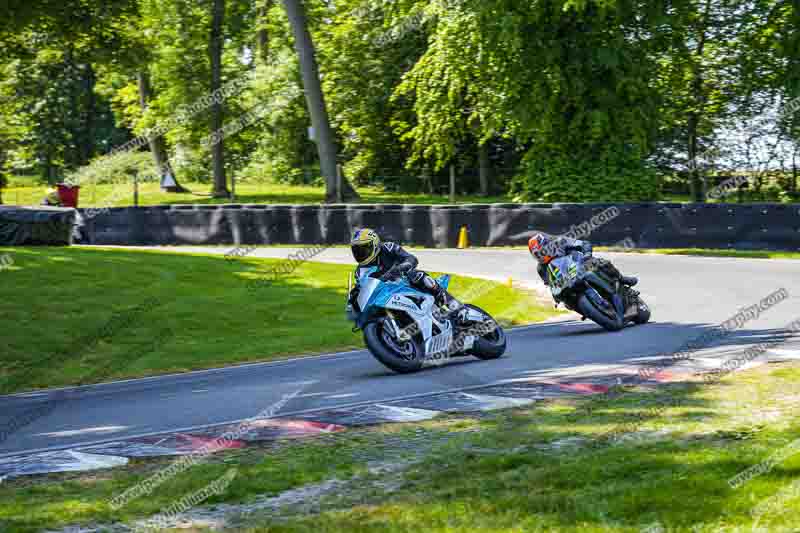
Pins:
x: 368, y: 287
x: 557, y: 269
x: 563, y: 273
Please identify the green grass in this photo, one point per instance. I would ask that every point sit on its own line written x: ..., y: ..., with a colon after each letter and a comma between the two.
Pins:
x: 60, y: 299
x: 28, y: 190
x: 58, y: 500
x: 108, y: 195
x: 708, y: 252
x: 546, y: 467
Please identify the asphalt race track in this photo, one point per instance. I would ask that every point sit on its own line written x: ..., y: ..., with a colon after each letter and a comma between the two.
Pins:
x: 686, y: 294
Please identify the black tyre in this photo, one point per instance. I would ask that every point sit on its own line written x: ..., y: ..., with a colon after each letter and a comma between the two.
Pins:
x: 402, y: 358
x: 493, y: 344
x: 643, y: 315
x: 588, y: 309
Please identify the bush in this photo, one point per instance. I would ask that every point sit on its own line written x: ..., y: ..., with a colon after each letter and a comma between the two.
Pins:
x: 560, y: 177
x: 194, y: 165
x: 262, y: 169
x: 116, y: 168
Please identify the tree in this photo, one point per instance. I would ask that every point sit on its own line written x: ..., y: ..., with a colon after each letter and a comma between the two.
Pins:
x: 53, y: 119
x: 262, y: 34
x: 315, y: 100
x: 134, y: 54
x: 484, y: 168
x: 569, y: 81
x: 215, y: 45
x: 3, y: 178
x: 158, y: 147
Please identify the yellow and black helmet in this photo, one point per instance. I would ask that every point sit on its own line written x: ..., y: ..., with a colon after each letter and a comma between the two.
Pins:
x: 365, y: 245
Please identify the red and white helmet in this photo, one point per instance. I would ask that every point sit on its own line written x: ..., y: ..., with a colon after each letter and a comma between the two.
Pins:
x: 538, y: 246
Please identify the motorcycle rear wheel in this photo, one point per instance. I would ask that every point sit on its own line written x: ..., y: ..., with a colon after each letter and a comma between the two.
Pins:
x: 643, y: 314
x: 390, y: 356
x: 586, y: 308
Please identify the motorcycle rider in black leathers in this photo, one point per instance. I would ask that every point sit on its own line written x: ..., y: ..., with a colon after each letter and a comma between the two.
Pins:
x: 544, y: 249
x: 392, y: 262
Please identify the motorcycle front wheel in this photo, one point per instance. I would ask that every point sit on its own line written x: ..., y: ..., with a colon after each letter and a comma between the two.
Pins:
x: 586, y: 308
x: 402, y: 357
x: 491, y: 345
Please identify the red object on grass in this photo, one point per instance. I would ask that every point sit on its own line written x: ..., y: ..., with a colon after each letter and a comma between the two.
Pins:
x: 68, y: 195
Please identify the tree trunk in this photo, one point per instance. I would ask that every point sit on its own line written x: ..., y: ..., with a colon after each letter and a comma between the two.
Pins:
x: 157, y: 146
x: 695, y: 188
x: 2, y: 173
x: 73, y: 152
x: 262, y: 37
x: 484, y: 168
x: 326, y: 144
x: 91, y: 110
x: 697, y: 185
x: 215, y: 44
x: 452, y: 196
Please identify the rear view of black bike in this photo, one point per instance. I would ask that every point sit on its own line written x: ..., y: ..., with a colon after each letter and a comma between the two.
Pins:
x: 582, y: 286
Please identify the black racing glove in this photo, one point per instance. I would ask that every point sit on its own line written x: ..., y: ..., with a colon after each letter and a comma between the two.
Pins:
x: 354, y: 295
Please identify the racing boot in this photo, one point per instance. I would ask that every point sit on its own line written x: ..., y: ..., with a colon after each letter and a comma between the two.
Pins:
x: 451, y: 307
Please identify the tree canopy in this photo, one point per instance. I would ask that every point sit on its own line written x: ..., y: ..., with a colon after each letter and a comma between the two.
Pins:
x: 552, y: 100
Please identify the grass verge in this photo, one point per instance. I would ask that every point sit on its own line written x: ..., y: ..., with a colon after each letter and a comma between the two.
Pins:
x: 707, y: 252
x: 84, y: 315
x: 150, y: 193
x: 546, y: 467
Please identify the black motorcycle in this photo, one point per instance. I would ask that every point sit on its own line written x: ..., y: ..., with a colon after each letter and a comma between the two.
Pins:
x: 578, y: 283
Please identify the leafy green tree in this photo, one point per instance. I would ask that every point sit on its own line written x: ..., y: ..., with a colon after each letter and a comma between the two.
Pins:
x: 56, y: 118
x: 364, y: 61
x: 315, y: 100
x: 569, y: 80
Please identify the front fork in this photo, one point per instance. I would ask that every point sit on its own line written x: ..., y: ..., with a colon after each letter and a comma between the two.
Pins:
x: 394, y: 329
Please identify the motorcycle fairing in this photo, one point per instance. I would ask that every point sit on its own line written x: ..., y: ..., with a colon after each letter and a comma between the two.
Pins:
x: 566, y: 271
x: 375, y: 295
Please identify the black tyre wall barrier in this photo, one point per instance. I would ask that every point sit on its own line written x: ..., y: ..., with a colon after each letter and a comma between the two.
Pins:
x: 281, y: 230
x: 648, y: 225
x: 389, y: 223
x: 155, y: 225
x: 474, y: 217
x: 417, y: 225
x: 187, y: 226
x: 445, y: 233
x: 36, y: 225
x: 305, y: 224
x: 220, y: 230
x: 261, y: 218
x: 333, y: 224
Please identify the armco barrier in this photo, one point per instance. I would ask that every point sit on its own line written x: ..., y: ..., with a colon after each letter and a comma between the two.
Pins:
x: 649, y: 225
